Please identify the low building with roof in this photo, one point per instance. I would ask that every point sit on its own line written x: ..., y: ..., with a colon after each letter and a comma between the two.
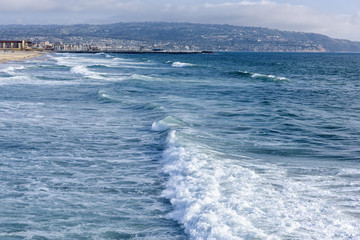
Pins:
x: 15, y: 45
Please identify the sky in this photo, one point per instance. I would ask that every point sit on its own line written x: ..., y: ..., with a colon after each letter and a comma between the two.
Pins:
x: 334, y: 18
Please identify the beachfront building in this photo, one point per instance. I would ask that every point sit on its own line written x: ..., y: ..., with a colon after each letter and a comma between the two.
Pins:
x: 15, y: 45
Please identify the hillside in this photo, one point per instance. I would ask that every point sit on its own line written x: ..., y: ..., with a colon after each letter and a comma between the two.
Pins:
x: 177, y: 36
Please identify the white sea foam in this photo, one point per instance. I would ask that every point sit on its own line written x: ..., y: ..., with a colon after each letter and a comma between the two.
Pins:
x: 104, y: 54
x: 11, y: 70
x: 103, y: 94
x: 261, y: 76
x: 181, y: 64
x: 167, y: 123
x: 244, y: 72
x: 78, y: 63
x: 64, y: 61
x: 141, y: 77
x: 84, y: 71
x: 200, y: 202
x: 84, y: 67
x: 215, y: 197
x: 270, y: 77
x: 25, y: 79
x: 72, y: 61
x: 131, y: 63
x: 106, y: 97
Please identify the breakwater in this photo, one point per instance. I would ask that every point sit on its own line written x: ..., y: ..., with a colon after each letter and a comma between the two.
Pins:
x: 140, y: 52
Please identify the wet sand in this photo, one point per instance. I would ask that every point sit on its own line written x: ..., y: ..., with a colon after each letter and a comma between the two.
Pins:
x: 17, y: 55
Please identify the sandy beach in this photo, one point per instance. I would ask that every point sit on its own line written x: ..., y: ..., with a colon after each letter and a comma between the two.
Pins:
x: 17, y: 55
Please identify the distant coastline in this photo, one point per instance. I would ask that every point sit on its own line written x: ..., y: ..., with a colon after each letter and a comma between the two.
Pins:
x: 174, y: 37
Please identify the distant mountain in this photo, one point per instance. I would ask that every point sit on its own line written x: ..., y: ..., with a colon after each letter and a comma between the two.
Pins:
x: 181, y: 36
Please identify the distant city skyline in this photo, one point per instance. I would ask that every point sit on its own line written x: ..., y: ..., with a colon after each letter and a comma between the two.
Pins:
x: 339, y: 19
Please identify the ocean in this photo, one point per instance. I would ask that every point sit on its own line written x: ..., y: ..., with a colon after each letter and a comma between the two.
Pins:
x: 200, y: 146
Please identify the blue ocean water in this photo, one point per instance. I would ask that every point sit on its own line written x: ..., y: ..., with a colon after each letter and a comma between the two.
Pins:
x: 217, y: 146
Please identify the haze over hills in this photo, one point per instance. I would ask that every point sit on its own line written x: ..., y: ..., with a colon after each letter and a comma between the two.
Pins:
x: 180, y: 36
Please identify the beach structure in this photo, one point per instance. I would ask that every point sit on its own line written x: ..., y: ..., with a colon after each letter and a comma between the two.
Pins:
x: 15, y: 45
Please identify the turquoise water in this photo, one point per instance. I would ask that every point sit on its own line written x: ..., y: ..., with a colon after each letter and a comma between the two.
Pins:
x: 221, y: 146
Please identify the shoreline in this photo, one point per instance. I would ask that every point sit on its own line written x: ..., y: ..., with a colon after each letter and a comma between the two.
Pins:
x: 9, y: 56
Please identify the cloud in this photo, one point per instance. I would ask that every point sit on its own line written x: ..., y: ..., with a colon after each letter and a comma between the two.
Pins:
x: 264, y: 13
x: 274, y: 15
x: 66, y: 5
x: 30, y: 5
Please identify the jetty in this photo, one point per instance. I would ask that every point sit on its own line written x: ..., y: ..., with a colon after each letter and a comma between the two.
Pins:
x: 136, y: 52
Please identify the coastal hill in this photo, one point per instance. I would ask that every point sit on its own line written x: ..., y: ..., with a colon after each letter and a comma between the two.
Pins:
x: 180, y: 36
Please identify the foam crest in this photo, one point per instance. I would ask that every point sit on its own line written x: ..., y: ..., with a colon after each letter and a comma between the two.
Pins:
x: 11, y: 70
x: 244, y: 73
x: 131, y: 63
x: 269, y: 77
x: 104, y: 54
x: 167, y: 123
x: 64, y: 61
x: 258, y: 76
x: 141, y: 77
x: 73, y: 61
x: 84, y: 71
x: 24, y: 79
x: 106, y: 97
x: 181, y: 64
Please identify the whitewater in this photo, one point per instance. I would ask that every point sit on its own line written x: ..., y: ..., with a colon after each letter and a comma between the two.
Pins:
x: 201, y: 146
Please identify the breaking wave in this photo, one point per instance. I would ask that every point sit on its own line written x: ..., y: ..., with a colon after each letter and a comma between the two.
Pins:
x: 85, y: 72
x: 265, y: 204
